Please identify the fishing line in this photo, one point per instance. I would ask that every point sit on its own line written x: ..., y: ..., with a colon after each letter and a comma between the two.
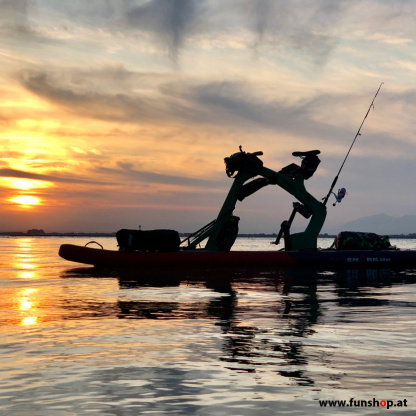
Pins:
x: 355, y: 138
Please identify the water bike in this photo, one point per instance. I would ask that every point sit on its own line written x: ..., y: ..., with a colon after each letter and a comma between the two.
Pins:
x: 211, y: 245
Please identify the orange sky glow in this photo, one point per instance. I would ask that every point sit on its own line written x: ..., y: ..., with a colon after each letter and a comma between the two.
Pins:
x: 119, y: 114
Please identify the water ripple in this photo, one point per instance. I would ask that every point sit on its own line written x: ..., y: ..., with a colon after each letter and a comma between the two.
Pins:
x: 246, y: 343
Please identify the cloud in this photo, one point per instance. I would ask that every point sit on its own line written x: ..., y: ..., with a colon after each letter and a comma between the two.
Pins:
x: 175, y: 102
x: 19, y: 25
x: 312, y: 28
x: 14, y: 173
x: 81, y: 99
x: 15, y: 15
x: 171, y: 25
x: 306, y: 26
x: 270, y: 22
x: 171, y: 21
x: 128, y: 173
x: 215, y: 103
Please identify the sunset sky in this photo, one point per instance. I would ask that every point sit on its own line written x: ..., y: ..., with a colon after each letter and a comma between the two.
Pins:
x: 119, y: 113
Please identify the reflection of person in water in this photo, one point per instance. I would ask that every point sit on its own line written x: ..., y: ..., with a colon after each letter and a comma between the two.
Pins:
x: 294, y: 315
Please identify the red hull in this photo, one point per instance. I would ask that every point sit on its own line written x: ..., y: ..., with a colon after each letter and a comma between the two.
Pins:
x: 113, y: 258
x: 201, y: 258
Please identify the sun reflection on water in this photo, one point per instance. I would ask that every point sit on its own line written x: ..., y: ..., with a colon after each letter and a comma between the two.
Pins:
x: 27, y: 305
x: 26, y: 274
x: 25, y: 259
x: 30, y: 320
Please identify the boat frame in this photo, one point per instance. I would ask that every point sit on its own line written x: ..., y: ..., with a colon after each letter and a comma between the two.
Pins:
x: 291, y: 178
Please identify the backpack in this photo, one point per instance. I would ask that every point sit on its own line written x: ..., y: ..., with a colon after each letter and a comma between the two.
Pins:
x: 152, y: 241
x: 354, y: 240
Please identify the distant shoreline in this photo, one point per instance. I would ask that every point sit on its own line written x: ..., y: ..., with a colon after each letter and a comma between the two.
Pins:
x: 94, y: 235
x: 72, y: 234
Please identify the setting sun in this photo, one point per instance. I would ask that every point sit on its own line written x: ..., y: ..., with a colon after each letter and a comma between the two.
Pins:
x: 26, y: 200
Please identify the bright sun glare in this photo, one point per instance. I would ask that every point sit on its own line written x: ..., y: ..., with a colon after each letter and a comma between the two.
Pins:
x: 25, y: 184
x: 26, y: 200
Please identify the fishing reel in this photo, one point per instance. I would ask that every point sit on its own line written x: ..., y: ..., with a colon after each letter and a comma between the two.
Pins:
x: 242, y: 161
x: 340, y: 196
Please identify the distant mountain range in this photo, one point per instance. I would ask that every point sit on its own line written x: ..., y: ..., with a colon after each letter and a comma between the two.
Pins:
x: 380, y: 224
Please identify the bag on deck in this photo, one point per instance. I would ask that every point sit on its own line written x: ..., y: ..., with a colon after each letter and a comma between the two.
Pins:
x: 151, y: 241
x: 352, y: 240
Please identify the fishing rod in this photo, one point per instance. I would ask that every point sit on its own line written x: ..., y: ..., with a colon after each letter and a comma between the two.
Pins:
x: 343, y: 163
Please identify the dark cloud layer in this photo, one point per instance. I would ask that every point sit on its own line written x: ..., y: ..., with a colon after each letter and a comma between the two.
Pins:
x: 122, y: 106
x: 15, y: 14
x: 217, y: 103
x: 313, y: 27
x: 171, y: 20
x: 276, y: 22
x: 127, y: 172
x: 14, y: 173
x: 173, y: 23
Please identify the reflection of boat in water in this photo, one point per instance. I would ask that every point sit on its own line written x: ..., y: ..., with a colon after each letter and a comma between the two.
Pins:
x: 271, y: 332
x: 144, y: 249
x: 223, y: 279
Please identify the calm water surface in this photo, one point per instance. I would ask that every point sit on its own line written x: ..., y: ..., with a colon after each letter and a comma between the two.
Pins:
x: 77, y: 341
